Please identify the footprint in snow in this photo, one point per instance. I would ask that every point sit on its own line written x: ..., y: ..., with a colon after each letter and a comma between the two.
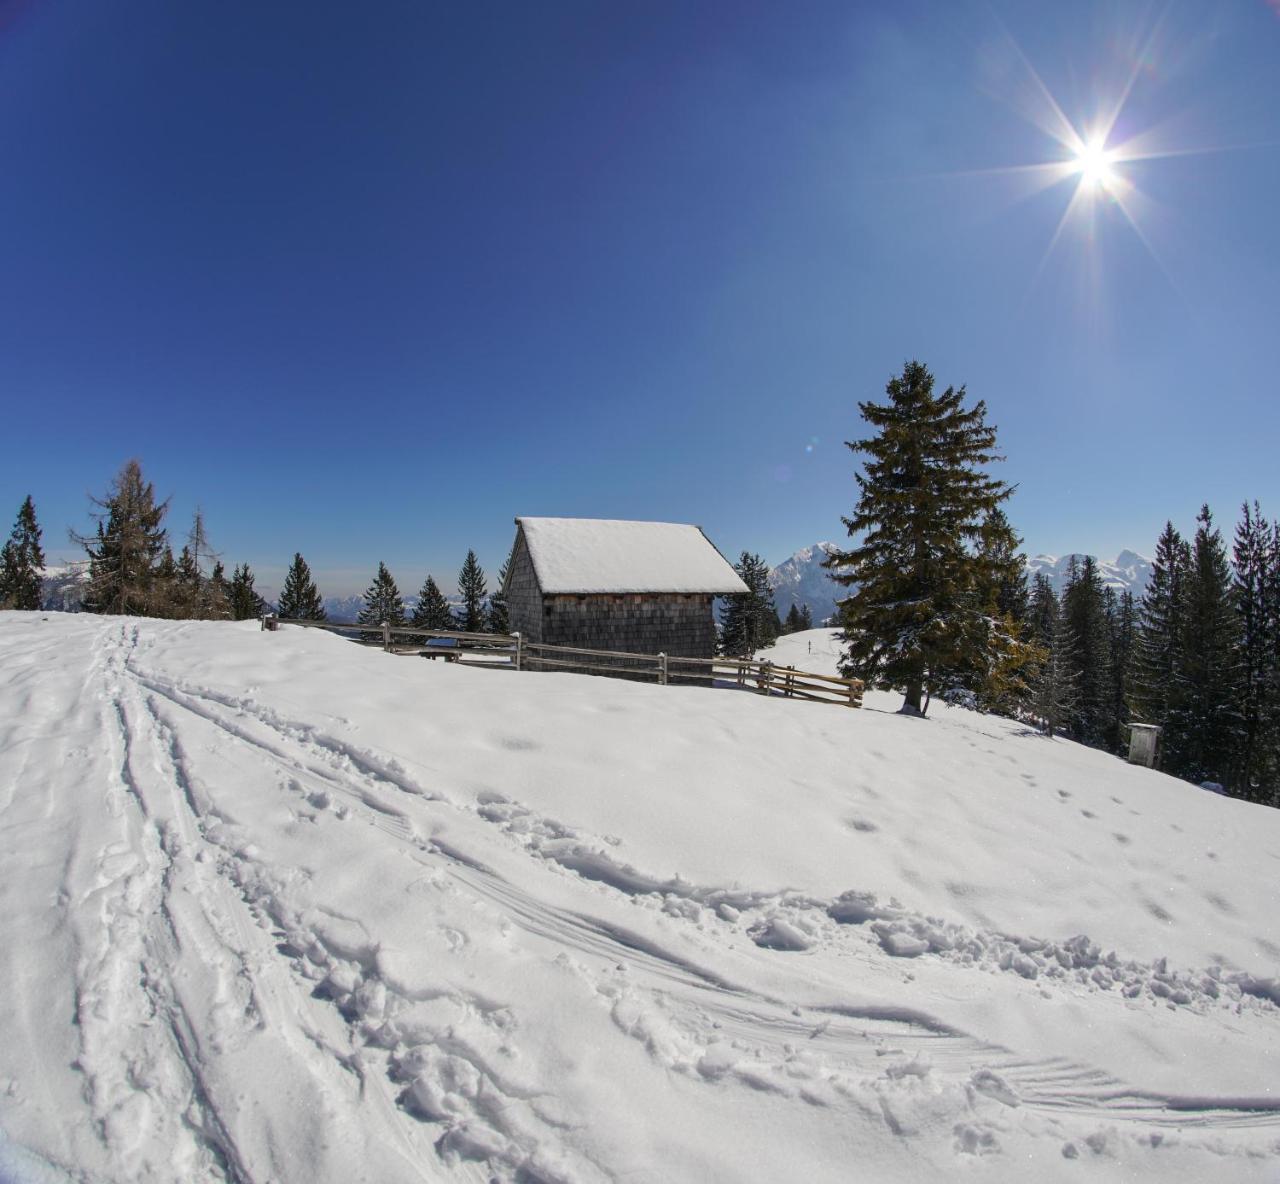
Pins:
x: 518, y: 744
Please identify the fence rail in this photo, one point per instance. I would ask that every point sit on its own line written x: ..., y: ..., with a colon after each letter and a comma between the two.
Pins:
x: 509, y: 651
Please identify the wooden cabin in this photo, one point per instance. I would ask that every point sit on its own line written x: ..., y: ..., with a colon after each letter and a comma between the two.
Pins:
x: 634, y: 587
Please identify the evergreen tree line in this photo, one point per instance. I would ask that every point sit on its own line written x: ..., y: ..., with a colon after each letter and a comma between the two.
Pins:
x: 132, y: 571
x: 1198, y: 655
x: 476, y: 612
x: 941, y: 606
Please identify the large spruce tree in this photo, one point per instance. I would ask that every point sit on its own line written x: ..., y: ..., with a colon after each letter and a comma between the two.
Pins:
x: 22, y: 561
x: 126, y: 547
x: 432, y: 610
x: 299, y: 599
x: 471, y: 591
x: 924, y: 497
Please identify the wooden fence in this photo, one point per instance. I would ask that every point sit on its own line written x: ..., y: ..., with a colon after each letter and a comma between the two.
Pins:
x: 509, y: 651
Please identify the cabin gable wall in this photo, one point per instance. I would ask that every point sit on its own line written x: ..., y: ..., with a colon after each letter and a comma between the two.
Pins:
x: 524, y: 596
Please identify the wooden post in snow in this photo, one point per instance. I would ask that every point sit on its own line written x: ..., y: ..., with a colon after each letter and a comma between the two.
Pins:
x: 519, y: 648
x: 662, y: 670
x: 386, y: 636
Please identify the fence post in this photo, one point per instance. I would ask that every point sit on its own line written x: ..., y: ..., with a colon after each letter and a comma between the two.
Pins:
x: 766, y: 669
x: 791, y: 680
x: 386, y: 636
x: 519, y: 647
x: 853, y: 694
x: 662, y: 670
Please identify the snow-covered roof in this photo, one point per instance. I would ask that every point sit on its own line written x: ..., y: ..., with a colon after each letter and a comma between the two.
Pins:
x: 605, y: 555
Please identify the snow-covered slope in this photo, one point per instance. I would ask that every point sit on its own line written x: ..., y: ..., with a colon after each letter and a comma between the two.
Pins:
x: 276, y: 907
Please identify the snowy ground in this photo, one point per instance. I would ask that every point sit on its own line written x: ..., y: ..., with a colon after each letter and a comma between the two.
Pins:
x: 278, y: 908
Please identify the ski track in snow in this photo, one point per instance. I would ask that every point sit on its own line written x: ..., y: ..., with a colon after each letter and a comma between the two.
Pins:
x: 201, y: 959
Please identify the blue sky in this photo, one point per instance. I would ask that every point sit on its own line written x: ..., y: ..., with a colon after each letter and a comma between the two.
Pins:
x: 368, y: 281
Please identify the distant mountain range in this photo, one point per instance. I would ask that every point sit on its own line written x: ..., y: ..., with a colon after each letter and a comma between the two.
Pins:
x: 62, y: 587
x: 803, y: 580
x: 1128, y: 570
x: 340, y: 609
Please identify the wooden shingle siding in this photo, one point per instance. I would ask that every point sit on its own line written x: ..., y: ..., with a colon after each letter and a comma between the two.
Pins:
x: 524, y: 597
x: 677, y: 624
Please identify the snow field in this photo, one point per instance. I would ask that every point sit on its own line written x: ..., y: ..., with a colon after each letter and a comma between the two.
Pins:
x: 281, y: 908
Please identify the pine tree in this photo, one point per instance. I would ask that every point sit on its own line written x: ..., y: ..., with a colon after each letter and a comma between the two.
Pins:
x: 206, y: 602
x: 432, y: 611
x: 1054, y: 690
x: 1250, y: 560
x: 1089, y: 658
x: 22, y: 562
x: 924, y: 497
x: 299, y: 599
x: 792, y: 623
x: 1042, y: 612
x: 164, y: 584
x: 216, y: 601
x: 1158, y: 648
x: 498, y: 619
x: 471, y: 590
x: 125, y: 547
x: 1005, y: 566
x: 244, y: 602
x: 996, y: 663
x: 750, y: 619
x: 1122, y: 618
x: 185, y: 598
x: 806, y: 617
x: 1269, y: 758
x: 382, y: 603
x: 1205, y: 725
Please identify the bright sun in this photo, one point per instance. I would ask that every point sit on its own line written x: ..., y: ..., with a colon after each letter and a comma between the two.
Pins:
x: 1093, y: 163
